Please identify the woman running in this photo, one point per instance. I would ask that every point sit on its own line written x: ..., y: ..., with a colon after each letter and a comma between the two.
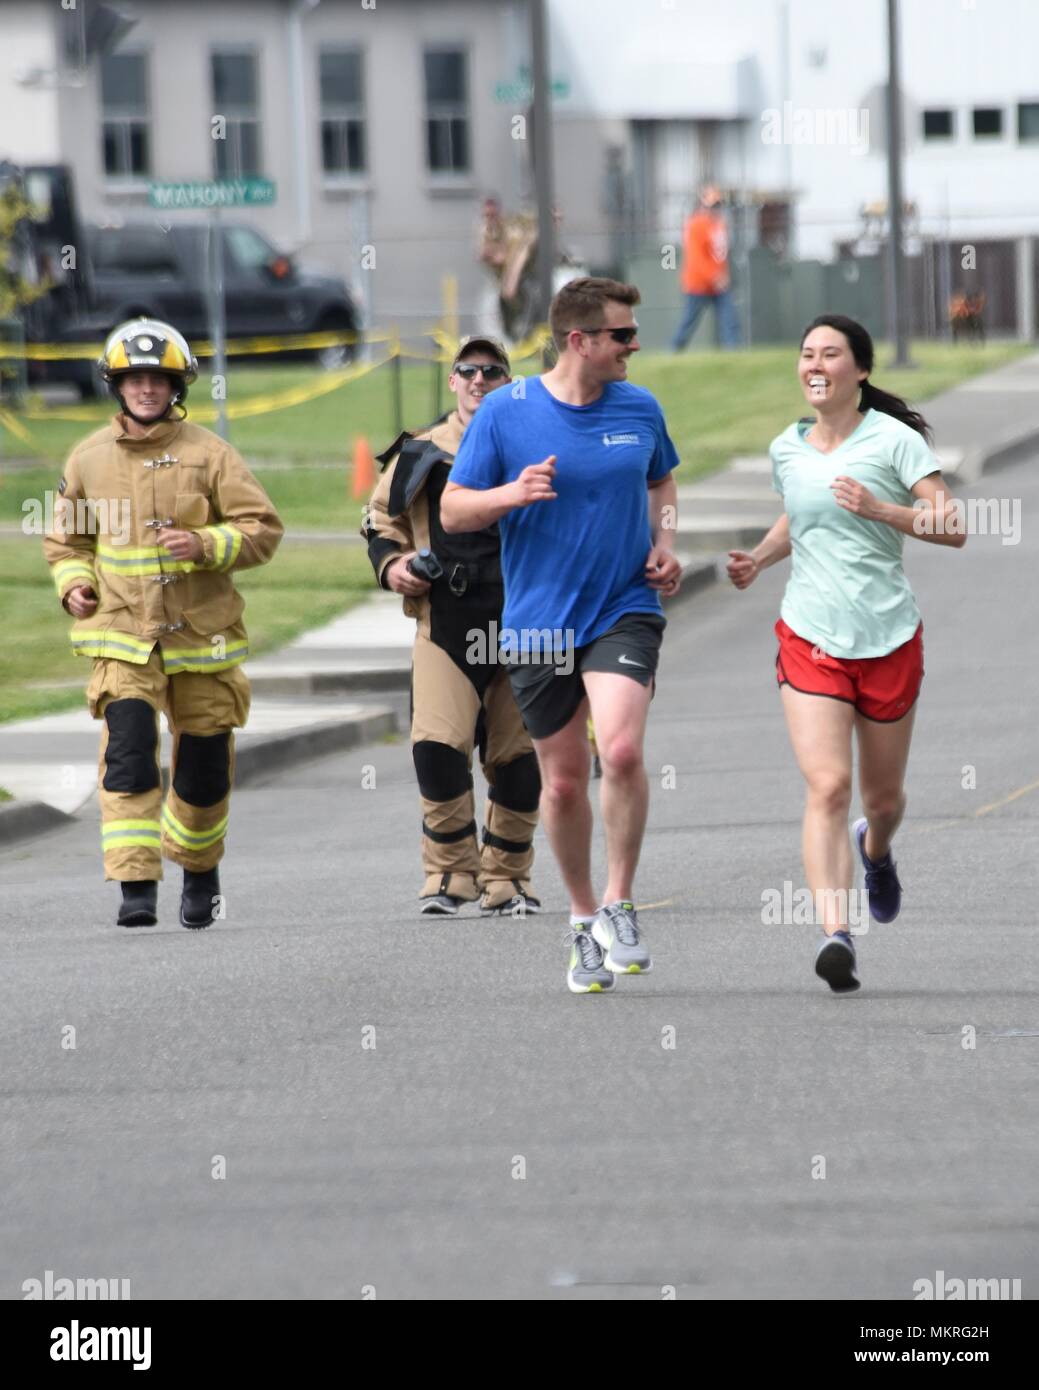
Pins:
x: 854, y: 481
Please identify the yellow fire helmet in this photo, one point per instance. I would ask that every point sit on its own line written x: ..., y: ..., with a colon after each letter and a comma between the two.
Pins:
x: 140, y: 345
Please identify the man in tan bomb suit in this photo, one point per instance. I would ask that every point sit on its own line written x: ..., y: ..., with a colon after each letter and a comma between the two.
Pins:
x: 460, y: 692
x: 154, y: 516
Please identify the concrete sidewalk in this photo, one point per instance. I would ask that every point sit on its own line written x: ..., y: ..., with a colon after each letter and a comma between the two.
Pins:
x: 50, y: 764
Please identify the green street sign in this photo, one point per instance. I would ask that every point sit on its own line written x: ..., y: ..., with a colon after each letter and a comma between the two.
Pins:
x: 223, y: 193
x: 520, y: 90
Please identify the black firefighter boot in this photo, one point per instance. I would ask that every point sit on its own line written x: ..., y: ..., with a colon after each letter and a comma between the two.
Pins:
x: 139, y: 907
x: 196, y: 901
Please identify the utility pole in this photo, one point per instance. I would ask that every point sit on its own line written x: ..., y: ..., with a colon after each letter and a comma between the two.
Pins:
x: 542, y: 154
x: 896, y: 260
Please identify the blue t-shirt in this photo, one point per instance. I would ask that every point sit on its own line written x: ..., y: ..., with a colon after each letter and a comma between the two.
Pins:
x: 576, y: 563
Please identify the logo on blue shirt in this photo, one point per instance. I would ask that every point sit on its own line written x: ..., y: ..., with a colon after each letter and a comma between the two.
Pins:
x: 620, y: 439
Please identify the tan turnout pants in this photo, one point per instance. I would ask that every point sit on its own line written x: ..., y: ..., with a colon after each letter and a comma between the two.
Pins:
x: 138, y: 826
x: 447, y: 710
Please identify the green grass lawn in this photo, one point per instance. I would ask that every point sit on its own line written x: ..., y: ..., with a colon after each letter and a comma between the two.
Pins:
x: 722, y: 404
x: 717, y: 405
x: 322, y: 429
x: 303, y: 587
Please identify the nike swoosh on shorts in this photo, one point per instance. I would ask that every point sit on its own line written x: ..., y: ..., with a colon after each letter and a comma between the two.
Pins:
x: 627, y: 661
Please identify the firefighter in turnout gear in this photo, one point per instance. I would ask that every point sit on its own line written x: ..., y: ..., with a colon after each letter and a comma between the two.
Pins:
x: 154, y: 516
x: 460, y: 693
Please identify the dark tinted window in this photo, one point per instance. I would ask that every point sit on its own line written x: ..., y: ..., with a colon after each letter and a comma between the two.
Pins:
x: 234, y: 79
x: 445, y: 76
x: 988, y: 120
x: 937, y: 124
x: 341, y: 79
x: 447, y: 110
x: 124, y: 82
x: 1028, y: 120
x: 133, y: 250
x: 246, y: 249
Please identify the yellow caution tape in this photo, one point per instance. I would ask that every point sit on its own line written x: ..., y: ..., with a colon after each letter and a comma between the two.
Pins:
x: 534, y: 343
x: 323, y: 385
x: 235, y: 410
x: 235, y: 347
x: 299, y: 342
x: 10, y: 422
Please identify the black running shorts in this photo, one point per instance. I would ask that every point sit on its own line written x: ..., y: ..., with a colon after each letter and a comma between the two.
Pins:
x: 549, y: 694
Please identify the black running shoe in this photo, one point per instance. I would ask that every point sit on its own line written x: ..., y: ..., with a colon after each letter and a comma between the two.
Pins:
x: 835, y: 963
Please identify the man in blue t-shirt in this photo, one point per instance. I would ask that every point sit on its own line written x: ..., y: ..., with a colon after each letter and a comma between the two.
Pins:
x: 575, y: 466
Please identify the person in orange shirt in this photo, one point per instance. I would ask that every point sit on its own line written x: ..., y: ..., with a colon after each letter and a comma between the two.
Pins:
x: 704, y: 275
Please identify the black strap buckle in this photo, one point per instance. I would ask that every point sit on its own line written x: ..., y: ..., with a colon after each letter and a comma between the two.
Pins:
x: 459, y: 581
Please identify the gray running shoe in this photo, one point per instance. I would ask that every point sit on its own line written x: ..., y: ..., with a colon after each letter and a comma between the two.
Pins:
x: 617, y: 931
x: 586, y: 973
x: 440, y: 905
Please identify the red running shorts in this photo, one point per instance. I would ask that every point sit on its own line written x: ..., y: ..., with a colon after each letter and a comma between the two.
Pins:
x: 882, y: 688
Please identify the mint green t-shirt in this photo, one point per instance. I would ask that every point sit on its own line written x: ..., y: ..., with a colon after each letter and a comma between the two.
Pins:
x: 847, y: 593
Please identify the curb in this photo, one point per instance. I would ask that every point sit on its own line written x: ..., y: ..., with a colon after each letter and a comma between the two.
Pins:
x: 271, y: 754
x: 332, y: 682
x: 1013, y: 447
x: 21, y: 820
x: 698, y: 575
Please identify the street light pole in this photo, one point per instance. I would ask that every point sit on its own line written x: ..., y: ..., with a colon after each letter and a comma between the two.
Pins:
x: 542, y: 154
x: 896, y: 246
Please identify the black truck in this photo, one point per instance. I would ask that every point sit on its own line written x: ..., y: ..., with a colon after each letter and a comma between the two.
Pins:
x: 142, y: 269
x: 100, y: 276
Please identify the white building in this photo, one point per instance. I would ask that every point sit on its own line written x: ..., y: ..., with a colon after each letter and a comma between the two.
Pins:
x: 383, y: 122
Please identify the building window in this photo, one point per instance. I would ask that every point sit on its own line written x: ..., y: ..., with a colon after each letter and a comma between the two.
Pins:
x: 1028, y: 121
x: 343, y: 143
x: 124, y: 115
x: 447, y: 111
x: 988, y: 122
x: 235, y: 100
x: 938, y: 125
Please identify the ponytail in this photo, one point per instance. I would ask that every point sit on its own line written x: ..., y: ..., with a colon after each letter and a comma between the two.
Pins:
x: 873, y: 398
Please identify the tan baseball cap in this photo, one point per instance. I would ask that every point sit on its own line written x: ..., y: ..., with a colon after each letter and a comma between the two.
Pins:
x: 493, y: 346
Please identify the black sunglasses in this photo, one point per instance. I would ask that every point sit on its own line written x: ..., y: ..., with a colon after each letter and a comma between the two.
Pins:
x: 491, y: 372
x: 619, y: 335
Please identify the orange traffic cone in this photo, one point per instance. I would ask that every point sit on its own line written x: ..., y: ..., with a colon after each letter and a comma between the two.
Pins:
x: 364, y: 468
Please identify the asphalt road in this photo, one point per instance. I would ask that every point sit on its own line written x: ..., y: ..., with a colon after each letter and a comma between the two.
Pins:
x: 643, y: 1166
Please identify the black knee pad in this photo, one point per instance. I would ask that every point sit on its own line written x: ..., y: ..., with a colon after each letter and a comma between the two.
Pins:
x: 133, y: 737
x: 203, y: 775
x: 517, y: 785
x: 443, y: 772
